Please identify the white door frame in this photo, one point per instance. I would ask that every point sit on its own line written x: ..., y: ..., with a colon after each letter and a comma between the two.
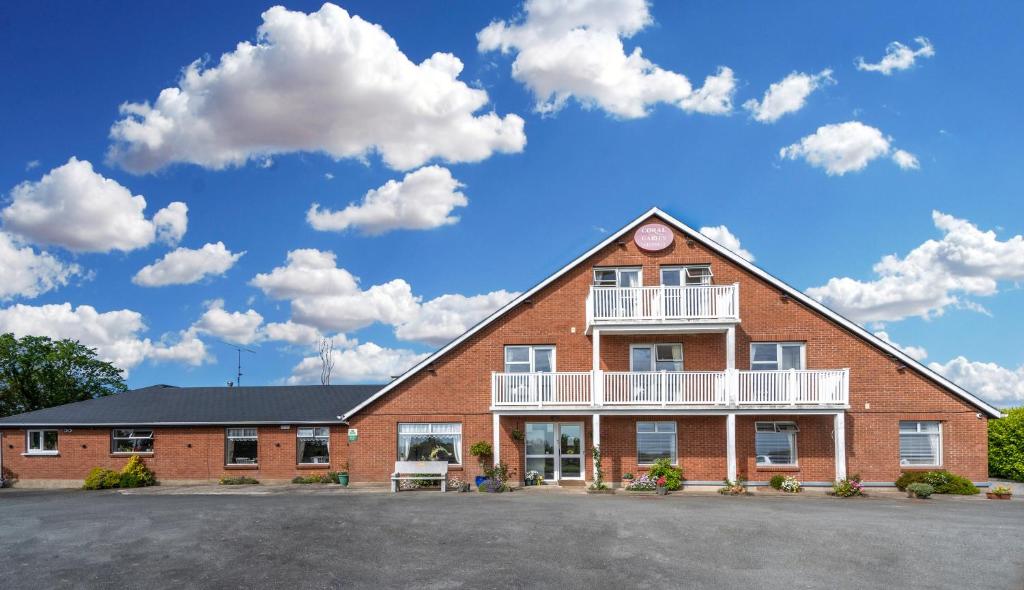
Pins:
x: 557, y: 456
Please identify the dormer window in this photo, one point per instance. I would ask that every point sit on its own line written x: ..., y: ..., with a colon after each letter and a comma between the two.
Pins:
x: 676, y: 276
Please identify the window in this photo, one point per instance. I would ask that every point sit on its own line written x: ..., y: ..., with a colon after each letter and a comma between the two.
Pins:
x: 617, y: 277
x: 775, y: 443
x: 920, y: 443
x: 529, y: 359
x: 42, y: 442
x: 776, y: 356
x: 656, y: 357
x: 129, y: 440
x: 241, y: 446
x: 314, y: 444
x: 675, y: 276
x: 655, y: 440
x: 430, y: 442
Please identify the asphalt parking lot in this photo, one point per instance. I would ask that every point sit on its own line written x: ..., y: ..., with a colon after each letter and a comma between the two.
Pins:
x: 76, y: 539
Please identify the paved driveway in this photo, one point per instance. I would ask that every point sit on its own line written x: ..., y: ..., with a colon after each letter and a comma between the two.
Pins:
x: 426, y: 539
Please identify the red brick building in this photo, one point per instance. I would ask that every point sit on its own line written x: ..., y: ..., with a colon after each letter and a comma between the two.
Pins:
x: 656, y: 343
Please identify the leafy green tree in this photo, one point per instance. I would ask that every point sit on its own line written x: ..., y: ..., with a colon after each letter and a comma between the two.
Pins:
x: 37, y: 373
x: 1006, y: 445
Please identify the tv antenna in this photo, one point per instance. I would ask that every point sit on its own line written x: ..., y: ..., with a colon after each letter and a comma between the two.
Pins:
x: 239, y: 350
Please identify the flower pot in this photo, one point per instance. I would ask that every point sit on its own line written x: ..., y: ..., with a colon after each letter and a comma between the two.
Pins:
x: 662, y: 490
x: 480, y: 479
x: 343, y: 479
x: 994, y: 496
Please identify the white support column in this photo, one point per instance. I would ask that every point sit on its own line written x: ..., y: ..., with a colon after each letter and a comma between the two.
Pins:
x: 840, y: 442
x: 730, y: 446
x: 596, y: 436
x: 497, y: 438
x: 596, y: 376
x: 730, y: 348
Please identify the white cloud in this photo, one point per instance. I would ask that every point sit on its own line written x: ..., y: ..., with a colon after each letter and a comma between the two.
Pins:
x: 32, y: 164
x: 787, y: 95
x: 27, y: 273
x: 931, y: 277
x: 185, y: 266
x: 723, y: 236
x: 574, y: 50
x: 898, y: 57
x: 845, y: 147
x: 320, y: 82
x: 307, y: 272
x: 446, y: 317
x: 1002, y: 386
x: 77, y: 208
x: 293, y: 333
x: 366, y: 363
x: 233, y: 326
x: 114, y: 334
x: 917, y: 353
x: 424, y: 199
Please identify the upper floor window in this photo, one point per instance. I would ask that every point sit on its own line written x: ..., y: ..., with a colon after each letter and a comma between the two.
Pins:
x: 920, y: 443
x: 130, y: 440
x: 675, y: 276
x: 41, y: 442
x: 656, y: 357
x: 529, y: 359
x: 617, y: 277
x: 776, y: 356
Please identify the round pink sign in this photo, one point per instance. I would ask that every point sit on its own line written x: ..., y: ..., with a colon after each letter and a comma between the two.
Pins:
x: 653, y: 237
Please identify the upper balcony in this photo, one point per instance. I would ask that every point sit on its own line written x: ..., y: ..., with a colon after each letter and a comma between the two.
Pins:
x: 663, y: 305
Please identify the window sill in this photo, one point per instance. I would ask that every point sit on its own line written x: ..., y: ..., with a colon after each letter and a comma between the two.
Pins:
x: 242, y: 467
x: 921, y: 468
x: 49, y: 454
x: 146, y: 454
x: 778, y: 468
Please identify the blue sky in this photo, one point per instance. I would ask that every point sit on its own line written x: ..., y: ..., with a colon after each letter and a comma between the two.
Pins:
x: 537, y: 195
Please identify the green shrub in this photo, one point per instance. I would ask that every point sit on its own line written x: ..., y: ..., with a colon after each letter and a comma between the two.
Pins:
x: 921, y: 490
x: 776, y: 481
x: 136, y: 475
x: 238, y: 481
x: 663, y: 468
x: 304, y: 479
x: 100, y: 478
x: 1006, y: 445
x: 847, y: 488
x: 942, y: 481
x: 908, y: 477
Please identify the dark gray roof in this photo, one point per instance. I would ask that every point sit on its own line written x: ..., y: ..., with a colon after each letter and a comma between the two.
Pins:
x: 164, y: 404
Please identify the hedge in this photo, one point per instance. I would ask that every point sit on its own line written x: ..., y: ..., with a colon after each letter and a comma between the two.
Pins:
x: 1006, y: 445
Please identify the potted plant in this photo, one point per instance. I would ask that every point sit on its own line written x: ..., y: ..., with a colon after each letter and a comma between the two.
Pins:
x: 534, y: 478
x: 790, y: 485
x: 483, y: 452
x: 660, y: 486
x: 999, y: 493
x: 920, y: 490
x: 733, y: 488
x: 343, y: 474
x: 627, y: 480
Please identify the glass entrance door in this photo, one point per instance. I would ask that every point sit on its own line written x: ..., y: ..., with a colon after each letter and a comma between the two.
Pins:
x: 555, y: 449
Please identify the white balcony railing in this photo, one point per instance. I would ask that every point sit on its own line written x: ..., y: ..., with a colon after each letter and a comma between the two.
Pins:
x: 663, y: 304
x: 713, y: 389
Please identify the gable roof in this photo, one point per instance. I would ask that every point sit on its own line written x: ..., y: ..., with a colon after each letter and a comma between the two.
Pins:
x: 164, y: 405
x: 731, y: 256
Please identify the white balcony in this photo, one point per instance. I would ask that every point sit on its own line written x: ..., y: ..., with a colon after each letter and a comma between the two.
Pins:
x: 663, y: 304
x: 668, y: 389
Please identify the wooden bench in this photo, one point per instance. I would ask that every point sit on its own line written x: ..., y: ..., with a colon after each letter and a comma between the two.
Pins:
x: 431, y: 470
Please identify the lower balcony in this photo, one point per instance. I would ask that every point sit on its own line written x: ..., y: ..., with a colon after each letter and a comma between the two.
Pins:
x: 590, y: 390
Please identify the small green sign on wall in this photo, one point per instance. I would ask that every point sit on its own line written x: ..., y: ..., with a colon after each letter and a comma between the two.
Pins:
x: 353, y: 434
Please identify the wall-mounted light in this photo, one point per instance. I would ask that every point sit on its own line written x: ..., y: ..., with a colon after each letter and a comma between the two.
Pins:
x: 84, y: 447
x: 901, y: 369
x: 784, y: 298
x: 188, y: 446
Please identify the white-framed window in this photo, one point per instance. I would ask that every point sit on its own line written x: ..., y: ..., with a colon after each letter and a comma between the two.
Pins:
x: 777, y: 356
x: 131, y: 440
x: 775, y: 443
x: 676, y: 276
x: 529, y: 359
x: 313, y: 445
x: 439, y: 441
x: 617, y: 277
x: 920, y: 443
x: 656, y: 357
x: 655, y: 440
x: 241, y: 446
x: 41, y: 442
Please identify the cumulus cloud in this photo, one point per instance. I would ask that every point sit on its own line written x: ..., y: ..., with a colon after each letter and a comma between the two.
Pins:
x: 574, y: 50
x: 1002, y: 386
x: 724, y: 237
x: 366, y: 363
x: 917, y: 353
x: 444, y: 318
x: 307, y: 273
x: 27, y: 273
x: 322, y: 82
x: 788, y: 95
x: 898, y: 57
x: 931, y: 277
x: 114, y: 334
x: 233, y: 326
x: 845, y: 147
x: 424, y: 199
x: 293, y: 333
x: 77, y: 208
x: 185, y: 266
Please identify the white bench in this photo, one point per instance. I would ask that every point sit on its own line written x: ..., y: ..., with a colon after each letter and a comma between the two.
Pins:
x: 432, y: 470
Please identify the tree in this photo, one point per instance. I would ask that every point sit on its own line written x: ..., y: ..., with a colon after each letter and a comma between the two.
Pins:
x: 1006, y: 445
x: 37, y: 373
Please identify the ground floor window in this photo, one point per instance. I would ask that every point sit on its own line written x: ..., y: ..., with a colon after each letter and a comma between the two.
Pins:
x: 920, y: 443
x: 42, y: 442
x: 314, y: 445
x: 130, y: 440
x: 775, y: 443
x: 242, y: 446
x: 430, y: 442
x: 655, y: 440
